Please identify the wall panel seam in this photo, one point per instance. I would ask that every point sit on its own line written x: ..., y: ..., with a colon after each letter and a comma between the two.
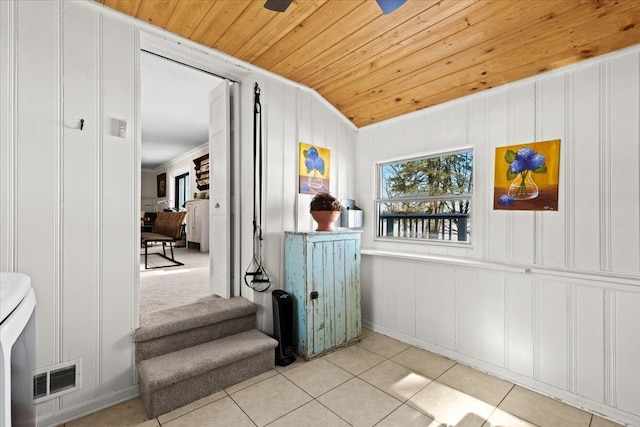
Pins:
x: 569, y: 175
x: 538, y: 108
x: 605, y: 167
x: 488, y: 181
x: 456, y: 302
x: 572, y: 338
x: 610, y: 356
x: 510, y: 215
x: 638, y: 158
x: 505, y: 315
x: 296, y: 201
x: 58, y: 232
x: 135, y: 133
x: 10, y: 161
x: 99, y: 199
x: 535, y: 327
x: 282, y: 176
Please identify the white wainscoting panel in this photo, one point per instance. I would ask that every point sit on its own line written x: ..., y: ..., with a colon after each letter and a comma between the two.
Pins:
x: 37, y: 228
x: 276, y: 122
x: 82, y: 191
x: 589, y: 349
x: 467, y: 312
x: 120, y: 230
x: 399, y: 300
x: 491, y: 317
x: 583, y: 163
x: 497, y: 223
x: 519, y: 324
x: 624, y: 184
x: 426, y: 301
x: 445, y: 310
x: 551, y: 349
x: 550, y: 226
x: 372, y: 288
x: 7, y: 135
x: 626, y: 351
x: 522, y: 128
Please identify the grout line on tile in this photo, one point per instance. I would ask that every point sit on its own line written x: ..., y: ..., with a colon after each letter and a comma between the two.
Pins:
x: 194, y: 409
x: 387, y: 416
x: 431, y: 380
x: 376, y: 387
x: 505, y: 396
x: 361, y: 348
x: 512, y: 414
x: 329, y: 409
x: 452, y: 366
x: 243, y: 411
x: 249, y: 385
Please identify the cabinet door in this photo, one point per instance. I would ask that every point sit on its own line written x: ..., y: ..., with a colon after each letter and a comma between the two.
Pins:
x: 197, y: 222
x: 334, y: 316
x: 320, y: 282
x: 193, y: 222
x: 352, y: 316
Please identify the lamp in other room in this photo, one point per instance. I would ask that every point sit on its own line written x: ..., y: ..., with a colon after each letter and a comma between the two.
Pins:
x: 165, y: 202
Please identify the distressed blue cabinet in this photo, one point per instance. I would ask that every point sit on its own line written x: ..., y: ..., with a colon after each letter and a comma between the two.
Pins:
x: 322, y: 273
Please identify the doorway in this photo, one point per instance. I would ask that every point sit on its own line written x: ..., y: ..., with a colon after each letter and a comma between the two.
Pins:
x: 175, y: 130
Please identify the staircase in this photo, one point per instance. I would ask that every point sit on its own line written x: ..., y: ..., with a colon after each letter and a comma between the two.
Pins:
x: 192, y: 351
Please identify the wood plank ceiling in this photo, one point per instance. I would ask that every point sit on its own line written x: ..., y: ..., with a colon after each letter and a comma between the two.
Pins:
x: 374, y: 67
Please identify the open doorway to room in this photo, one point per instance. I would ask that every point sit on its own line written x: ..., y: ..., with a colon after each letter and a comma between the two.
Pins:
x: 174, y: 106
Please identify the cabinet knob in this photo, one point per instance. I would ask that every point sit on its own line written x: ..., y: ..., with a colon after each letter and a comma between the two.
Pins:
x: 314, y: 295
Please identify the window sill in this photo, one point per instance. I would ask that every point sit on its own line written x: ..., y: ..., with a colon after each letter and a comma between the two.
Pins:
x: 461, y: 262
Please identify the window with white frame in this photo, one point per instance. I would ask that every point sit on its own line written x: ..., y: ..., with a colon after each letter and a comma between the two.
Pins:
x: 426, y: 198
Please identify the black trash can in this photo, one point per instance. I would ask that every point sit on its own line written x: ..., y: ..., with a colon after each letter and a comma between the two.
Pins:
x: 283, y: 326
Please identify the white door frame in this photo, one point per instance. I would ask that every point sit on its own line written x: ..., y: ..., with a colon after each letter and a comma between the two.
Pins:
x: 192, y: 54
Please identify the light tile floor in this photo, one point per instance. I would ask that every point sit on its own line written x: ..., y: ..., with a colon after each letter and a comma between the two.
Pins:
x: 377, y: 382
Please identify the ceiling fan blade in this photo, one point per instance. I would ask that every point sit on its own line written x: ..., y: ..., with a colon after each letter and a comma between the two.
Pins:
x: 389, y: 6
x: 277, y: 5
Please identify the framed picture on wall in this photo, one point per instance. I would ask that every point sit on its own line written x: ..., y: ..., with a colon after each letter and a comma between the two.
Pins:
x: 313, y: 164
x: 162, y: 185
x: 526, y: 176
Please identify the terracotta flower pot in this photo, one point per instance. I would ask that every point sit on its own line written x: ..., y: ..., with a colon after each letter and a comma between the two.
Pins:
x: 325, y: 219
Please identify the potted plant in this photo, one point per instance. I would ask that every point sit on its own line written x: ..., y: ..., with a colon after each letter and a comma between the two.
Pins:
x: 325, y: 210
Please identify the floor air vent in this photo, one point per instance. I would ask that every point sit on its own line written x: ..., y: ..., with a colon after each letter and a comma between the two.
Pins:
x: 55, y: 381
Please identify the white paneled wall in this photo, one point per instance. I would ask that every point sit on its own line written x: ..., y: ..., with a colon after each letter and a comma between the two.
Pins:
x: 70, y: 197
x: 550, y: 300
x: 290, y: 115
x: 69, y: 194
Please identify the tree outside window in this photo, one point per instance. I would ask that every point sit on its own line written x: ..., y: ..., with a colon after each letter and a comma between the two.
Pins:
x: 426, y: 198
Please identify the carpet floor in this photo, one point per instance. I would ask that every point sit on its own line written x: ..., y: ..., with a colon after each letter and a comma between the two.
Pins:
x: 166, y: 287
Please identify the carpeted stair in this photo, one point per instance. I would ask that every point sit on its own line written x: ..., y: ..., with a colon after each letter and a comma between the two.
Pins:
x: 189, y: 352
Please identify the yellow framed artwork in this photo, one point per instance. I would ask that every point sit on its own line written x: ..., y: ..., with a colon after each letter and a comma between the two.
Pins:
x: 314, y: 169
x: 527, y: 176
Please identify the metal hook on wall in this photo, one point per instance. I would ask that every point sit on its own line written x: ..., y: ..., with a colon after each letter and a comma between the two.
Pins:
x: 81, y: 123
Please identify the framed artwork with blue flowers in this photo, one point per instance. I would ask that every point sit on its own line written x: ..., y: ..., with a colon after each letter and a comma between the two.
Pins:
x: 314, y: 169
x: 527, y: 176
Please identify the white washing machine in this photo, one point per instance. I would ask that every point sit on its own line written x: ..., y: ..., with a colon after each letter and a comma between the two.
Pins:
x: 17, y: 350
